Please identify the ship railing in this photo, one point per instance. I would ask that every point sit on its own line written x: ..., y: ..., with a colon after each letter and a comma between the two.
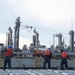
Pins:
x: 32, y: 55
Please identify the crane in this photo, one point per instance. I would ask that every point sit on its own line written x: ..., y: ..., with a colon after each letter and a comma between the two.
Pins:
x: 16, y: 34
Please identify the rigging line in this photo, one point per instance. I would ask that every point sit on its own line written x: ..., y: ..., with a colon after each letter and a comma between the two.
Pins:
x: 46, y: 29
x: 23, y: 27
x: 66, y: 38
x: 27, y: 27
x: 50, y: 30
x: 29, y: 30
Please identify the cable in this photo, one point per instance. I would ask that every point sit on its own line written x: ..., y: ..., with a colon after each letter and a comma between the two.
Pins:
x: 27, y: 27
x: 20, y: 63
x: 66, y: 38
x: 28, y: 30
x: 50, y: 30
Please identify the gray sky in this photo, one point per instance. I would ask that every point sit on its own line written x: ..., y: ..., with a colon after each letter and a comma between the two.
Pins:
x: 48, y: 16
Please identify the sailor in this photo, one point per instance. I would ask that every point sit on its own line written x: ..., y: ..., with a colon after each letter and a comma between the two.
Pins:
x: 64, y: 57
x: 31, y: 48
x: 8, y: 55
x: 47, y: 58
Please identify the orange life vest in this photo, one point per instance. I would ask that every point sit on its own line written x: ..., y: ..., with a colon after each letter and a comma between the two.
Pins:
x: 47, y: 52
x: 9, y: 52
x: 64, y: 54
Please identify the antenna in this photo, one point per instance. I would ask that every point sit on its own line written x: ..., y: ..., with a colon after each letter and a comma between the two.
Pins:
x: 72, y: 22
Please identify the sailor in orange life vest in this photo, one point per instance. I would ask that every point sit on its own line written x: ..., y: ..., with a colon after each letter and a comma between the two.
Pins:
x: 47, y: 58
x: 8, y: 55
x: 64, y: 57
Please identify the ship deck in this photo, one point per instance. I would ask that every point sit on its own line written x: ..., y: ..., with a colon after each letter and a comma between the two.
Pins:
x: 36, y: 72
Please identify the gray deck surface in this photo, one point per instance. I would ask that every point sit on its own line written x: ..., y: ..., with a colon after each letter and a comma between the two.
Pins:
x: 36, y: 72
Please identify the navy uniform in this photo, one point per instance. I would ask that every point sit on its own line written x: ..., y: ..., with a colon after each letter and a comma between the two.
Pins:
x: 64, y: 57
x: 47, y: 59
x: 8, y: 55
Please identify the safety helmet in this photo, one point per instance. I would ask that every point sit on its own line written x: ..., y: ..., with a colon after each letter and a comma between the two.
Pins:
x: 10, y: 46
x: 49, y: 49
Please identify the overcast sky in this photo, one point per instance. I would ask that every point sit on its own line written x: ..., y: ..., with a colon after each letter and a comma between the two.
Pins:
x: 48, y: 16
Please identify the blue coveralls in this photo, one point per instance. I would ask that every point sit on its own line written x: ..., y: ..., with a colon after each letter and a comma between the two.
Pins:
x: 64, y: 62
x: 7, y: 60
x: 47, y: 59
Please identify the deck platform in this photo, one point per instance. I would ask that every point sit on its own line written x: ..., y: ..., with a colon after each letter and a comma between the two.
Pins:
x: 36, y: 72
